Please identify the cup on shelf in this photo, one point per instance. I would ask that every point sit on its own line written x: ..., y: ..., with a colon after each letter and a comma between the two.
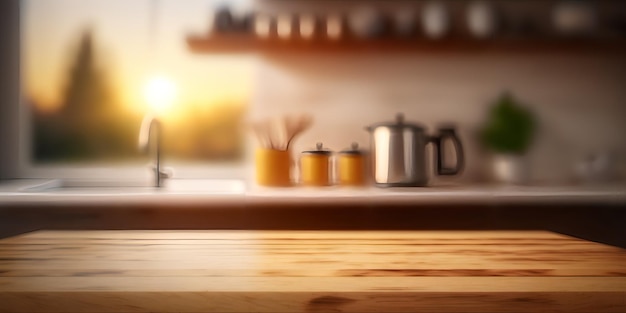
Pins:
x: 223, y: 20
x: 273, y: 167
x: 264, y: 26
x: 574, y: 17
x: 285, y: 24
x: 366, y: 23
x: 435, y: 20
x: 481, y: 18
x: 334, y: 26
x: 307, y: 26
x: 245, y: 22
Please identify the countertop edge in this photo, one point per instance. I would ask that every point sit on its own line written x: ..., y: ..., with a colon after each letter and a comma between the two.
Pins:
x: 614, y: 194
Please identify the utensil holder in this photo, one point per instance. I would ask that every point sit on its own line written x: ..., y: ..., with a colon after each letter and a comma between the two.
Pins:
x: 273, y: 167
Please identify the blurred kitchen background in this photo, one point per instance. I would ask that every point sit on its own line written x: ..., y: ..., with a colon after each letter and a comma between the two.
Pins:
x: 92, y: 67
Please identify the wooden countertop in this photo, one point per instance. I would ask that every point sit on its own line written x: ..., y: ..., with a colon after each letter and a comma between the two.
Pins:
x: 309, y: 271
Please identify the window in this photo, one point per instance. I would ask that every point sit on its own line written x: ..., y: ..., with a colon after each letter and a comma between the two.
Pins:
x: 92, y: 69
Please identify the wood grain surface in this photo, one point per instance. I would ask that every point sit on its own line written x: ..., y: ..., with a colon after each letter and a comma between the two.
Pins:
x: 309, y: 271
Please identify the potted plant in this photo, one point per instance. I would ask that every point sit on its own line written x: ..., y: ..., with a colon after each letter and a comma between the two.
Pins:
x: 508, y: 133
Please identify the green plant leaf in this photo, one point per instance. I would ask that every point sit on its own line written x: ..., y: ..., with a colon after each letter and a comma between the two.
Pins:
x: 510, y: 127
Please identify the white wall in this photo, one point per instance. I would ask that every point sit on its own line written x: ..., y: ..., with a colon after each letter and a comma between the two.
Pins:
x: 580, y: 99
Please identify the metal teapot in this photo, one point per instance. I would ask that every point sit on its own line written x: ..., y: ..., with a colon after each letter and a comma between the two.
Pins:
x: 398, y: 151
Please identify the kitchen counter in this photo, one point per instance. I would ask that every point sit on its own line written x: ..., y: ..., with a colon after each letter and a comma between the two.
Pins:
x: 309, y: 271
x: 593, y: 212
x: 444, y: 194
x: 240, y: 193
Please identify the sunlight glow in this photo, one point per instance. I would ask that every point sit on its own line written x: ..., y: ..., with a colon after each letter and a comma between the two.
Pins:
x: 160, y: 93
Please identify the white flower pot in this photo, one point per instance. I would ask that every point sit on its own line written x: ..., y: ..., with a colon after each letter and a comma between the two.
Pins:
x: 510, y: 169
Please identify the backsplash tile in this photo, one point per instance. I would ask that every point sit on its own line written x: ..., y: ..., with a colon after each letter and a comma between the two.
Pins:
x: 579, y: 99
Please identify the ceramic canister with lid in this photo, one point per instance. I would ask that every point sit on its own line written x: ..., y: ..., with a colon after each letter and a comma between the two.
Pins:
x: 315, y: 167
x: 351, y: 166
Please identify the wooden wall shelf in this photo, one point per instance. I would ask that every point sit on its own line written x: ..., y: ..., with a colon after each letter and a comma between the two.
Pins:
x: 243, y: 43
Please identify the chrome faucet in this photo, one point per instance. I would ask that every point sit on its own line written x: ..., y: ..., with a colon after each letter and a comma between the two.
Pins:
x: 151, y: 127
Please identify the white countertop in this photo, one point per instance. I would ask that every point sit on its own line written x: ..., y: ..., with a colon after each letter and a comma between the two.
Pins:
x: 446, y: 194
x: 236, y: 193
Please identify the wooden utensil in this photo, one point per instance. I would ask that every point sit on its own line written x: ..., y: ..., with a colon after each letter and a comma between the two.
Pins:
x: 297, y: 126
x: 278, y: 133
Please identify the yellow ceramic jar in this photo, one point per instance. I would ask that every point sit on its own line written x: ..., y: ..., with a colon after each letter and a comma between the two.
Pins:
x: 351, y: 167
x: 273, y: 167
x: 315, y: 167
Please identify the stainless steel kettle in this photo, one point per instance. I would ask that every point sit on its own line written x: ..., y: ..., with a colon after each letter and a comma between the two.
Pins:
x: 398, y: 152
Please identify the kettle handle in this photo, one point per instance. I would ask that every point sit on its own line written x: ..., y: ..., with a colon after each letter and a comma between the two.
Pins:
x: 458, y: 148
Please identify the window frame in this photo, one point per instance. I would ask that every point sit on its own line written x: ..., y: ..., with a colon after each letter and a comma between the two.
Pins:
x: 10, y: 88
x: 15, y: 125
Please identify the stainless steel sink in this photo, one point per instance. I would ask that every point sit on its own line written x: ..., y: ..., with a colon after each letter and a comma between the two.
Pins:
x: 138, y: 187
